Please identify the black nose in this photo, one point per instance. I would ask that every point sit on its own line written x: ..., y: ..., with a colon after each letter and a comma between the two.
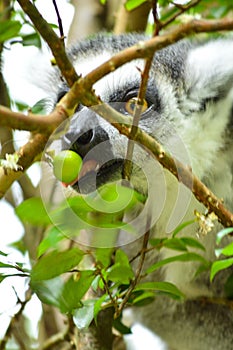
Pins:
x: 89, y: 144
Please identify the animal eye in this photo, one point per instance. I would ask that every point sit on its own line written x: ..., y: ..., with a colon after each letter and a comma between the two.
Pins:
x: 131, y: 103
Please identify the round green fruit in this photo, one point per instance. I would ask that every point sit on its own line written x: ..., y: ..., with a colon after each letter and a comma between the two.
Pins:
x: 66, y: 166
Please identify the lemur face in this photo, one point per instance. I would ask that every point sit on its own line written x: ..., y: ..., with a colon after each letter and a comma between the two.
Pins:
x: 187, y: 108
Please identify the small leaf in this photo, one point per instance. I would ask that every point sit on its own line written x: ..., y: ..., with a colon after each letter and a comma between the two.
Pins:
x: 182, y: 257
x: 113, y: 198
x: 103, y: 255
x: 224, y: 232
x: 32, y: 211
x: 3, y: 254
x: 98, y: 305
x: 166, y: 287
x: 20, y: 246
x: 4, y: 265
x: 120, y: 327
x: 144, y: 299
x: 31, y: 39
x: 55, y: 263
x: 228, y: 250
x: 9, y: 29
x: 51, y: 240
x: 191, y: 242
x: 48, y: 291
x: 219, y: 266
x: 120, y: 274
x: 122, y: 258
x: 40, y: 107
x: 74, y: 290
x: 182, y: 226
x: 175, y: 244
x: 157, y: 242
x: 83, y: 316
x: 2, y: 277
x: 132, y: 4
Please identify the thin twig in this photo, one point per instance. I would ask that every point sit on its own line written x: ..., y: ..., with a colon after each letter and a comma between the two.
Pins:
x: 127, y: 168
x: 137, y: 274
x: 15, y: 319
x: 52, y: 40
x: 181, y: 10
x: 59, y: 20
x: 114, y: 303
x: 128, y: 164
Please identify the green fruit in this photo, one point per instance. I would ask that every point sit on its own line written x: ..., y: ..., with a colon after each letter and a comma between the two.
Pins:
x: 66, y: 166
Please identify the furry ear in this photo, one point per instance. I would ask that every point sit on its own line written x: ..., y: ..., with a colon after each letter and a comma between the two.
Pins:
x: 209, y: 71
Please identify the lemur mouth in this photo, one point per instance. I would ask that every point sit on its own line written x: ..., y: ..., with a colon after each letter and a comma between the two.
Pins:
x: 92, y: 175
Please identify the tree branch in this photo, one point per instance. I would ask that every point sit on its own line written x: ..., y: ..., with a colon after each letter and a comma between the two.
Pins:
x: 14, y: 320
x: 56, y: 45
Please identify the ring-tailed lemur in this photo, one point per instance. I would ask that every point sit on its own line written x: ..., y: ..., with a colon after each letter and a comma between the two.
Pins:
x: 188, y: 108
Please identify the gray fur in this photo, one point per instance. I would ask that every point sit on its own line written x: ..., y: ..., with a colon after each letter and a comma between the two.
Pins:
x: 190, y: 92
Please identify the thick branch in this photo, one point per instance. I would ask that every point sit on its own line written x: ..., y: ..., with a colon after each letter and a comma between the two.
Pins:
x: 27, y: 155
x: 32, y: 122
x: 147, y: 48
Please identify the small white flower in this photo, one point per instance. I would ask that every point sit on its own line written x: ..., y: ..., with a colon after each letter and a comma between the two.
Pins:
x: 206, y: 222
x: 11, y: 162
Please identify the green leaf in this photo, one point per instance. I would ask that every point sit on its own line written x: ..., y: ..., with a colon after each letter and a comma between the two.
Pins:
x: 5, y: 265
x: 9, y: 29
x: 132, y: 4
x: 2, y: 277
x: 157, y: 242
x: 228, y: 250
x: 51, y: 240
x: 32, y: 211
x: 48, y: 291
x: 122, y: 258
x: 103, y: 255
x: 182, y: 226
x: 98, y: 305
x: 20, y: 246
x: 79, y: 204
x: 40, y: 107
x: 83, y: 316
x: 165, y: 287
x: 74, y: 290
x: 121, y: 272
x: 220, y: 265
x: 182, y: 257
x: 3, y: 254
x: 114, y: 198
x: 175, y: 244
x: 32, y: 39
x: 55, y: 263
x: 191, y: 242
x: 120, y: 327
x: 144, y: 299
x: 224, y: 232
